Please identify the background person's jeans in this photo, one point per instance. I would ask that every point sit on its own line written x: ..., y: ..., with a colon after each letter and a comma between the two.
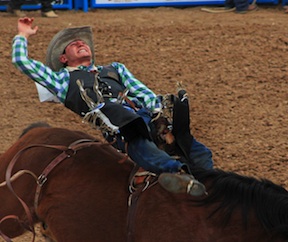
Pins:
x: 241, y: 5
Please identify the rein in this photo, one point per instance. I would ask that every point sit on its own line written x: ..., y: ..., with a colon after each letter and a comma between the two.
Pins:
x: 67, y: 152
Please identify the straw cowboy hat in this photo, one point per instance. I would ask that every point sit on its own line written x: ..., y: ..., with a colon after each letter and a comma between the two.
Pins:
x: 64, y: 37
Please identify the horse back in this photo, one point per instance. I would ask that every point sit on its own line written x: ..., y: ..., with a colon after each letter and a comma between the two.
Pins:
x: 85, y: 192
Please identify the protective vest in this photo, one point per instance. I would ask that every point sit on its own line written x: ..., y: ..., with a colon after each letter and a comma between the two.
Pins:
x: 130, y: 124
x: 108, y: 81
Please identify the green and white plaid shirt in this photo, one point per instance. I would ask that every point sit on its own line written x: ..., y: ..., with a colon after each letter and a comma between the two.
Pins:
x: 58, y: 82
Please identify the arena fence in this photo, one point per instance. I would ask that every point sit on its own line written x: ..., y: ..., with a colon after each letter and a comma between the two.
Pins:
x: 85, y: 5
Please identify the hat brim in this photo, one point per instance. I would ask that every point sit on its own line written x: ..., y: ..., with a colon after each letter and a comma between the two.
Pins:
x: 64, y: 37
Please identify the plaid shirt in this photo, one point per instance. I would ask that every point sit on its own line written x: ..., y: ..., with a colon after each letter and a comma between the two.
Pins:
x: 58, y: 82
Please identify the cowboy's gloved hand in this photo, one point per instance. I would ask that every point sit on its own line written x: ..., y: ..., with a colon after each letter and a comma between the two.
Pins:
x: 182, y: 94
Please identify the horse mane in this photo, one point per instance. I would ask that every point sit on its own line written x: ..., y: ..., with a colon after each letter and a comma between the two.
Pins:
x: 232, y: 191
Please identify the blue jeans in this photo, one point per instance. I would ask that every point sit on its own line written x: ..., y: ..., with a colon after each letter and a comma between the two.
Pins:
x: 201, y: 155
x: 147, y: 155
x: 46, y: 5
x: 241, y: 5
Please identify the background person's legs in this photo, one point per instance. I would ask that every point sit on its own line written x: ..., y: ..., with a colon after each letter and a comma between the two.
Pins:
x: 47, y: 10
x: 14, y: 7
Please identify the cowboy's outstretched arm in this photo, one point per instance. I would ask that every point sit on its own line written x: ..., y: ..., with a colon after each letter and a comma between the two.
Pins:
x: 25, y: 27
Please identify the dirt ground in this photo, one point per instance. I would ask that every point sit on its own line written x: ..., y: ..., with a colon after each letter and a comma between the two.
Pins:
x: 234, y: 67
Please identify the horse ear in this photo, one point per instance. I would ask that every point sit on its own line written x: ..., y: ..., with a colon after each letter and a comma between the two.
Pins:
x: 32, y: 126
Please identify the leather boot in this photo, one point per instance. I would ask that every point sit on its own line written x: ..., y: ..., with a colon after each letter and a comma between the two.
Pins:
x: 16, y: 12
x: 49, y: 14
x: 181, y: 183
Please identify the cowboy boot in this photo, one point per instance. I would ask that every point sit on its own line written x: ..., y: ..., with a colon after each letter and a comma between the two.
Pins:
x: 15, y: 12
x: 49, y: 14
x: 181, y: 183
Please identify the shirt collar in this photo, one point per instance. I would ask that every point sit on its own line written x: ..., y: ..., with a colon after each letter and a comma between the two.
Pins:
x: 91, y: 67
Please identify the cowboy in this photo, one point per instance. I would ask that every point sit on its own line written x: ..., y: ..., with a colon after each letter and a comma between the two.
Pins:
x: 93, y: 92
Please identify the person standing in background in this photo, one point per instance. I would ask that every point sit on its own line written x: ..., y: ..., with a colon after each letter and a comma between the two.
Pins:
x: 241, y: 6
x: 14, y: 7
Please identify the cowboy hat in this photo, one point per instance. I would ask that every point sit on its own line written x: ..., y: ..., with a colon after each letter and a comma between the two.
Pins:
x: 64, y: 37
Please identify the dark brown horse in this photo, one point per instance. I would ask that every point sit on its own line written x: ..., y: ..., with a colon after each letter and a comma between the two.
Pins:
x: 86, y: 197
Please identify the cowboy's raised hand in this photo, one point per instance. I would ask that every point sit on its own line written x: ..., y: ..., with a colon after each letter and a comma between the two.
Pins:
x: 25, y: 27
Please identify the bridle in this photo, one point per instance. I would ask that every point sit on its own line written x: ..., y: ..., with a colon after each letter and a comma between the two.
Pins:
x: 67, y: 152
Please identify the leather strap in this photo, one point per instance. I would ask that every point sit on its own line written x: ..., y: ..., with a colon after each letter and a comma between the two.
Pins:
x: 66, y: 152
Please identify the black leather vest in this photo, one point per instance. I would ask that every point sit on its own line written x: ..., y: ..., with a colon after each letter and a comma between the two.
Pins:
x: 130, y: 124
x: 108, y: 81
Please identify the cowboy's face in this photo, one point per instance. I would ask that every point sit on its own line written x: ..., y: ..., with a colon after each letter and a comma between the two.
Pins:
x: 76, y: 51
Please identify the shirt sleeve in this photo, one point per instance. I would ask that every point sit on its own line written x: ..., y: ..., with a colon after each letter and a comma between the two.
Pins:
x: 56, y: 82
x: 140, y: 93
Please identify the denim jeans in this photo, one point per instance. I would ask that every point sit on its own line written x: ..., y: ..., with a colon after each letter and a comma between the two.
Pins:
x: 147, y: 155
x: 201, y: 155
x: 46, y: 5
x: 241, y: 5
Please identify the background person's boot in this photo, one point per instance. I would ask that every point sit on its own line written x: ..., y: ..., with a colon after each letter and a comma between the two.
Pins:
x: 49, y: 14
x: 16, y: 12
